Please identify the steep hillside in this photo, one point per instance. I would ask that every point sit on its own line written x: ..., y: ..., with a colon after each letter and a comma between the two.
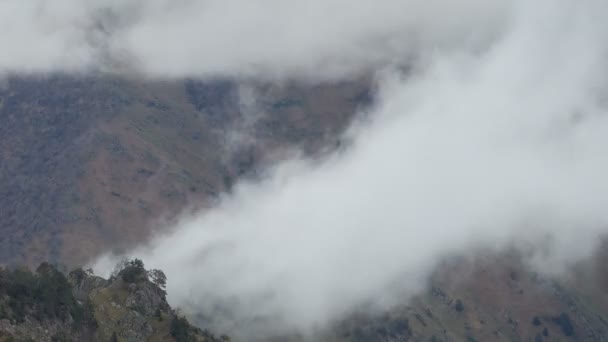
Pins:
x: 130, y: 306
x: 92, y: 164
x: 491, y: 298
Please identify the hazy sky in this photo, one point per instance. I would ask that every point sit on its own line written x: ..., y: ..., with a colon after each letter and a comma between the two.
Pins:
x: 496, y: 137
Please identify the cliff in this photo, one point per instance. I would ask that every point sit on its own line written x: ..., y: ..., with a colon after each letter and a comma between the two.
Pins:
x: 131, y: 306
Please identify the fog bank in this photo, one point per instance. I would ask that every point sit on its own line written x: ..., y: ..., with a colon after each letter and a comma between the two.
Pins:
x: 269, y: 39
x: 473, y: 148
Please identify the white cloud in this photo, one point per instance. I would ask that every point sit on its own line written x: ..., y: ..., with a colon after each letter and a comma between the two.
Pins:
x: 472, y: 149
x: 258, y: 38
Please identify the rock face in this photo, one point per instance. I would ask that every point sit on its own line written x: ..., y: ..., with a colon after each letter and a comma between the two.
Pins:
x: 124, y: 308
x: 494, y: 298
x: 135, y: 311
x: 83, y: 283
x: 46, y: 331
x: 146, y: 299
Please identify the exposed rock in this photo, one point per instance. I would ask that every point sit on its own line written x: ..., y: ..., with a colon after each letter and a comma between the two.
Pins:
x: 100, y: 309
x: 146, y: 298
x: 134, y: 327
x: 83, y: 284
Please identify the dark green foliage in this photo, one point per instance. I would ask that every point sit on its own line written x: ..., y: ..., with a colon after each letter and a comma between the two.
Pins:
x: 180, y: 329
x: 536, y: 321
x: 133, y: 271
x: 45, y: 294
x: 563, y: 320
x: 546, y: 332
x: 84, y: 316
x: 4, y: 314
x: 20, y: 285
x: 53, y: 293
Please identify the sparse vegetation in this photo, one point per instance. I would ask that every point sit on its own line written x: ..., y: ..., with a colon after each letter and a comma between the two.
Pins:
x: 180, y: 329
x: 459, y: 306
x: 563, y: 320
x: 46, y: 296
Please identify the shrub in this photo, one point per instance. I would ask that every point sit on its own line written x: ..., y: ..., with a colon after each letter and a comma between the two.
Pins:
x: 45, y: 294
x: 133, y: 271
x: 565, y: 324
x: 53, y: 293
x: 459, y: 306
x: 180, y: 329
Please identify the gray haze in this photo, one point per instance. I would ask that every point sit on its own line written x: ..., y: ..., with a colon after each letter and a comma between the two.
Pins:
x: 480, y: 146
x: 272, y: 39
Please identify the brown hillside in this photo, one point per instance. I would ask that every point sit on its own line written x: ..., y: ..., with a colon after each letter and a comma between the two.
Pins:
x: 93, y: 164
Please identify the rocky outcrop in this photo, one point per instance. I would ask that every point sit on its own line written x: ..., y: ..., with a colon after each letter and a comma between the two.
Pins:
x: 136, y: 311
x: 128, y: 307
x: 84, y: 282
x: 146, y: 299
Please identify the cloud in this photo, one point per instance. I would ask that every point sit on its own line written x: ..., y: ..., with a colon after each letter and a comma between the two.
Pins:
x: 471, y: 149
x: 244, y: 38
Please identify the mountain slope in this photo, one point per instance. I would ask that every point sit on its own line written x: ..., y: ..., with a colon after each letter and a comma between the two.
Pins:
x: 492, y: 299
x: 94, y: 164
x: 48, y: 306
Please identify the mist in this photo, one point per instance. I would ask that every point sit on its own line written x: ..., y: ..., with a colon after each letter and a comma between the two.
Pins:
x: 263, y: 39
x: 476, y: 146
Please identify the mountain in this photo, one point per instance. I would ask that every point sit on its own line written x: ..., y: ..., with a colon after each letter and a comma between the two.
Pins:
x: 500, y: 299
x: 130, y: 306
x: 94, y: 164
